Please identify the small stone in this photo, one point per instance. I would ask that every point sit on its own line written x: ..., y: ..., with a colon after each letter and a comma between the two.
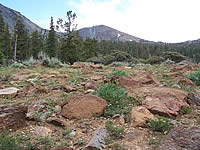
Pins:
x: 73, y: 133
x: 56, y: 121
x: 9, y: 91
x: 194, y: 99
x: 42, y: 131
x: 139, y: 116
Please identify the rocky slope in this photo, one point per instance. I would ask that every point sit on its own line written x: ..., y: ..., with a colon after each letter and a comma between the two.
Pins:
x: 9, y: 16
x: 54, y: 108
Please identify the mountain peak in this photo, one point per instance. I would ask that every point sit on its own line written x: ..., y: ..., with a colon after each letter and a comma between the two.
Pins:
x: 103, y: 32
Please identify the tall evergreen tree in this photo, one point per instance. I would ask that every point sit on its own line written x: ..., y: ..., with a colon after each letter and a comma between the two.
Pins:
x: 2, y: 25
x: 36, y: 44
x: 89, y: 48
x: 51, y: 49
x: 7, y: 41
x: 20, y: 40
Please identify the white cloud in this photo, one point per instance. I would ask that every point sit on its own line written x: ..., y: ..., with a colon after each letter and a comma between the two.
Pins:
x: 158, y: 20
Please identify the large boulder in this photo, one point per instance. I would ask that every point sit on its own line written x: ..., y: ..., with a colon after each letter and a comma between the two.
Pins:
x: 139, y: 80
x: 163, y: 101
x: 146, y: 78
x: 83, y: 106
x: 12, y: 116
x: 181, y: 138
x: 125, y: 82
x: 168, y: 107
x: 182, y: 68
x: 139, y: 115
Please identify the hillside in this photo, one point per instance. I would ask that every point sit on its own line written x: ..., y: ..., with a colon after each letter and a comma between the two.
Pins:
x: 76, y: 106
x: 9, y: 16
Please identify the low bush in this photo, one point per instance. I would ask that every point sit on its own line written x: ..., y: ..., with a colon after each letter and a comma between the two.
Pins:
x: 161, y: 124
x: 155, y: 60
x: 17, y: 65
x: 118, y: 101
x: 195, y: 77
x: 113, y: 56
x: 117, y: 73
x: 115, y: 132
x: 8, y: 142
x: 174, y: 56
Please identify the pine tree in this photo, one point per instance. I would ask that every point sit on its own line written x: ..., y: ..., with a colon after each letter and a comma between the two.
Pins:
x: 51, y: 41
x: 89, y: 48
x: 20, y: 40
x: 36, y: 44
x: 7, y: 41
x: 2, y: 25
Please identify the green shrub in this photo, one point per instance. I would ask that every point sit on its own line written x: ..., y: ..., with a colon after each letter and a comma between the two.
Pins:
x: 8, y: 142
x: 115, y: 132
x: 174, y: 56
x: 187, y: 110
x: 117, y: 73
x: 47, y: 142
x: 154, y: 60
x: 30, y: 61
x: 118, y: 101
x: 117, y: 64
x: 113, y: 56
x: 47, y: 61
x: 195, y: 77
x: 17, y: 65
x: 161, y: 124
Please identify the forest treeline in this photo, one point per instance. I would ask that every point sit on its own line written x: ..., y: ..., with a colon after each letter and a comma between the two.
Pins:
x: 69, y: 47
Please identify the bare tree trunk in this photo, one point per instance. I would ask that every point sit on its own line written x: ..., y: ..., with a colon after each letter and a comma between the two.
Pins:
x: 15, y: 52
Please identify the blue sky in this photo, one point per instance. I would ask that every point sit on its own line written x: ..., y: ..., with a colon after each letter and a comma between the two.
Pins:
x: 156, y: 20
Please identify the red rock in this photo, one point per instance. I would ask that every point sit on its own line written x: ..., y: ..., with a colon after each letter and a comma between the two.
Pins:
x: 173, y: 74
x: 42, y: 131
x: 168, y: 107
x: 36, y: 107
x: 91, y: 85
x: 185, y: 82
x: 56, y: 121
x: 42, y: 89
x: 125, y: 82
x: 139, y: 80
x: 161, y: 100
x: 12, y: 116
x: 183, y: 68
x: 181, y: 138
x: 68, y: 88
x: 139, y: 115
x: 83, y: 106
x: 146, y: 78
x: 96, y: 66
x: 99, y: 77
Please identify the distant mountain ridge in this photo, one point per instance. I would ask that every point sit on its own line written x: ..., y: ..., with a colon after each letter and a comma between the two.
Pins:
x: 102, y: 32
x: 9, y: 16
